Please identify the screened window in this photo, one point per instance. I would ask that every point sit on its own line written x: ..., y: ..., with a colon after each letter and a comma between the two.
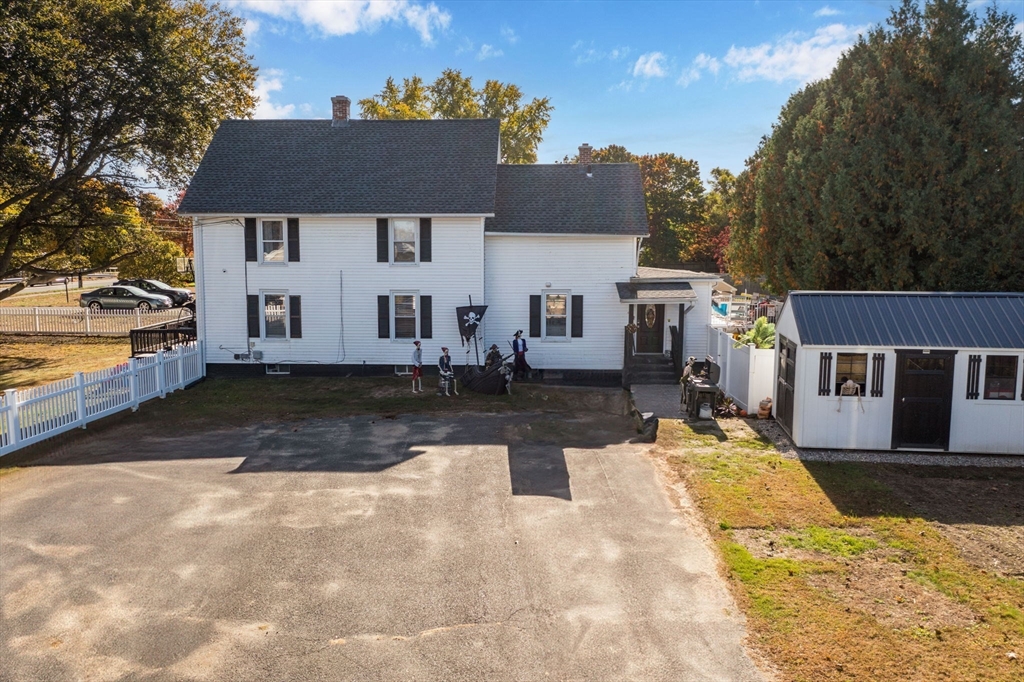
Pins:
x: 404, y: 240
x: 405, y: 316
x: 851, y: 367
x: 556, y: 314
x: 1000, y: 377
x: 275, y: 316
x: 272, y: 239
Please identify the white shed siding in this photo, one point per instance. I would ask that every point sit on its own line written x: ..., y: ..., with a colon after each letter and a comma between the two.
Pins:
x: 990, y: 426
x: 518, y: 266
x: 338, y: 273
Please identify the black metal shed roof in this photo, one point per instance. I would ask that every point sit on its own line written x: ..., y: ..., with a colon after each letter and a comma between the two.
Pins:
x: 370, y: 167
x: 562, y: 199
x: 909, y: 320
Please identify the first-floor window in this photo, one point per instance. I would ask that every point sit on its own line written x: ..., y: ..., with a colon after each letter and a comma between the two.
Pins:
x: 851, y: 367
x: 1000, y: 377
x: 556, y: 314
x: 405, y: 316
x: 275, y: 316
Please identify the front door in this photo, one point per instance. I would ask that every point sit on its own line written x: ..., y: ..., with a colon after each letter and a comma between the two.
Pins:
x: 650, y: 334
x: 923, y: 399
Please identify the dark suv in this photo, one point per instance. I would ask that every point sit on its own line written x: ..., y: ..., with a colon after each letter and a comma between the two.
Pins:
x: 178, y: 296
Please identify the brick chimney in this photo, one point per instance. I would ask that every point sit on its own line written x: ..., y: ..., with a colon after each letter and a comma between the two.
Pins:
x: 339, y: 110
x: 585, y: 153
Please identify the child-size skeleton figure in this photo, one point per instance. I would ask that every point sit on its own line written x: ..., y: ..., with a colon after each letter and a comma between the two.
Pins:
x: 447, y: 374
x: 849, y: 388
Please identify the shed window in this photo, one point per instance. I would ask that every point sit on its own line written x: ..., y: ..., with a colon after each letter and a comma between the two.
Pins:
x: 852, y: 366
x: 1000, y: 377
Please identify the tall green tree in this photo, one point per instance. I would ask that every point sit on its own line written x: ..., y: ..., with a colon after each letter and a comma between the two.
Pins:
x: 452, y: 95
x: 903, y: 170
x: 92, y: 91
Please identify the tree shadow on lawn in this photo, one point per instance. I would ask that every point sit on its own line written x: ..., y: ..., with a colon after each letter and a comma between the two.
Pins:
x: 988, y: 496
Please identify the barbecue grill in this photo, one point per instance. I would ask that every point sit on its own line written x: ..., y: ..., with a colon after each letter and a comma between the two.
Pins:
x: 701, y: 386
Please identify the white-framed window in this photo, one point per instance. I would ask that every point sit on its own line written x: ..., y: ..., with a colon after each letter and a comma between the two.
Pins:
x: 405, y: 234
x: 274, y: 315
x: 404, y: 315
x: 851, y: 367
x: 1000, y: 377
x: 555, y: 313
x: 279, y: 369
x: 273, y: 241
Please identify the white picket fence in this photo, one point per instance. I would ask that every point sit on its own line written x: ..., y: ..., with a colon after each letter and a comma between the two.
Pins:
x: 748, y: 373
x: 30, y: 415
x: 81, y: 321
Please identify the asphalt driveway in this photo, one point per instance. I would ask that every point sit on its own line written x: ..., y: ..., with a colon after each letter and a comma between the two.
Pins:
x: 418, y: 548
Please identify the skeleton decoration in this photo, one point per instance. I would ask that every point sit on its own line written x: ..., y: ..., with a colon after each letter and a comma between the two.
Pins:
x: 469, y: 317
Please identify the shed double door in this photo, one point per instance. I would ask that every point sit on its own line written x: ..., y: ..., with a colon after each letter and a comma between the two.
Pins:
x: 787, y: 381
x: 923, y: 399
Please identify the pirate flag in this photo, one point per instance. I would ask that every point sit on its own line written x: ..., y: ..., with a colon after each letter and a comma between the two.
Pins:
x: 469, y: 319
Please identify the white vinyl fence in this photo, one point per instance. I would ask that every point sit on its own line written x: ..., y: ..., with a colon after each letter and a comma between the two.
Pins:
x: 30, y: 415
x: 748, y: 373
x: 81, y: 321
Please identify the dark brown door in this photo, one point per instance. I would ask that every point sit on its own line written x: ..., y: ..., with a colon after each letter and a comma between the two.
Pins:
x: 924, y: 398
x: 787, y: 380
x: 650, y: 335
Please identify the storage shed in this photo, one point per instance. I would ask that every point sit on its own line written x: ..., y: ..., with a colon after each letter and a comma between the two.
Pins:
x: 902, y: 371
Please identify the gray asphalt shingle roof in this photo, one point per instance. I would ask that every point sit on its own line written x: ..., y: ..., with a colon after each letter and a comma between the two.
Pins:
x: 561, y: 199
x: 375, y: 167
x: 634, y: 290
x: 909, y: 320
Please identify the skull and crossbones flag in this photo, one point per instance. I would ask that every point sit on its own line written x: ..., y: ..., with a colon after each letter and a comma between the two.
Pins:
x: 469, y: 319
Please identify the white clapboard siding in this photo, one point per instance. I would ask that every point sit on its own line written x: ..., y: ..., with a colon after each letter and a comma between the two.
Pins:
x: 518, y: 266
x: 30, y: 415
x: 698, y: 320
x: 80, y: 321
x: 338, y: 278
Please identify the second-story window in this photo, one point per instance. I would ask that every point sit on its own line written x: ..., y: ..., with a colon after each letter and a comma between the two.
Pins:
x: 272, y: 239
x: 403, y: 237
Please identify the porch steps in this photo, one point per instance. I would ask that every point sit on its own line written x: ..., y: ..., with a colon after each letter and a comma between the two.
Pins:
x: 653, y: 369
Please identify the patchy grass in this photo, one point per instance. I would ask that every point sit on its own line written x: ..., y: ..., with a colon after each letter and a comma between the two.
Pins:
x: 49, y: 299
x: 854, y: 573
x: 27, y: 361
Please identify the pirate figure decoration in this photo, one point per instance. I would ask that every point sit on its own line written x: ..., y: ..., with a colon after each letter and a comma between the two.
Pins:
x: 417, y: 368
x: 519, y: 350
x: 447, y: 374
x: 493, y: 356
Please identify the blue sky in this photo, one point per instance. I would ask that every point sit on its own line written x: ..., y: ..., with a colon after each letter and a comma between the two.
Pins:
x: 704, y: 80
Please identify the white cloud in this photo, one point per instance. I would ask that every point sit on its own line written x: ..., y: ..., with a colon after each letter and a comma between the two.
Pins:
x: 344, y: 17
x: 509, y: 35
x: 267, y: 82
x: 650, y: 65
x: 587, y: 55
x: 1020, y: 27
x: 793, y: 59
x: 827, y: 11
x: 487, y: 52
x: 251, y: 28
x: 701, y: 62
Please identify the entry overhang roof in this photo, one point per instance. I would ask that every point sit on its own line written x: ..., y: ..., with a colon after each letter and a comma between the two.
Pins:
x: 639, y: 290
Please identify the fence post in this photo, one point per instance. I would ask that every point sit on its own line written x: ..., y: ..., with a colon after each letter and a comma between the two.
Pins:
x: 13, y: 421
x: 37, y: 319
x: 138, y: 317
x: 80, y: 397
x: 161, y: 381
x: 133, y: 383
x: 179, y: 364
x: 88, y: 320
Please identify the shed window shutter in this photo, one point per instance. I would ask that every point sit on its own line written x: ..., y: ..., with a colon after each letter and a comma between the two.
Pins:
x: 425, y: 240
x: 383, y: 317
x: 382, y: 240
x: 973, y: 376
x: 577, y: 317
x: 877, y: 374
x: 825, y: 374
x: 252, y: 310
x: 426, y: 317
x: 295, y: 316
x: 293, y: 240
x: 250, y: 241
x: 534, y: 316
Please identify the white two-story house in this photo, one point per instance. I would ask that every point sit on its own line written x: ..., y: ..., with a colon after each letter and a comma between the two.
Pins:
x: 329, y: 246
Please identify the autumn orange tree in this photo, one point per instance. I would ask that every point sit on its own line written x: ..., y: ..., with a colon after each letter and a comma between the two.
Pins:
x: 903, y: 170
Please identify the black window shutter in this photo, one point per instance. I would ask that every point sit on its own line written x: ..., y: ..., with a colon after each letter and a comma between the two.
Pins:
x: 425, y: 240
x: 973, y: 376
x: 577, y: 317
x: 383, y: 317
x: 253, y: 315
x: 426, y: 317
x: 382, y: 241
x: 250, y: 241
x: 825, y: 374
x: 535, y: 316
x: 295, y: 316
x: 293, y: 240
x: 877, y: 374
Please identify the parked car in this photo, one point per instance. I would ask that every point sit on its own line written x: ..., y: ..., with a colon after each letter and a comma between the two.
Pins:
x: 120, y: 297
x: 55, y: 280
x: 178, y: 296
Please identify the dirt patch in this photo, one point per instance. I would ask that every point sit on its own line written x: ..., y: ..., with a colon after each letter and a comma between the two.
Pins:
x: 880, y: 582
